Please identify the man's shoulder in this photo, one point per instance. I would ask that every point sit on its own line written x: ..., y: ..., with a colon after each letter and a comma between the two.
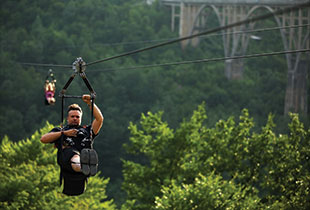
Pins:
x: 88, y: 128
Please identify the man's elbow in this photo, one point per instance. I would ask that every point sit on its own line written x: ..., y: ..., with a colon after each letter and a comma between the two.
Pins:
x: 100, y: 119
x: 43, y: 140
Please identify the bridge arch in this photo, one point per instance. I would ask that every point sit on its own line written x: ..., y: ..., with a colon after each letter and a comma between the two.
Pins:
x: 292, y: 39
x: 229, y: 11
x: 222, y: 21
x: 250, y: 12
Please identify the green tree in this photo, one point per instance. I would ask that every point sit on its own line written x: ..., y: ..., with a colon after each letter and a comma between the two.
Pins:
x: 29, y: 178
x: 188, y: 167
x: 211, y: 192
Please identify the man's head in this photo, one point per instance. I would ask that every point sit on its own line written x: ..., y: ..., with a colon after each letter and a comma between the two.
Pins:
x: 74, y: 114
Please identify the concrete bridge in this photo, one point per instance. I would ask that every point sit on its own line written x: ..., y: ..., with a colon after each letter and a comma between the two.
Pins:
x: 191, y: 16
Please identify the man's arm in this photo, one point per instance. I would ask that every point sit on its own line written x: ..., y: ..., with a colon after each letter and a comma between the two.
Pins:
x: 52, y: 136
x: 97, y: 123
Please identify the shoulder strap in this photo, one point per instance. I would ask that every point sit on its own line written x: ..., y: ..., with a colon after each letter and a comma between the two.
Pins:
x: 60, y: 155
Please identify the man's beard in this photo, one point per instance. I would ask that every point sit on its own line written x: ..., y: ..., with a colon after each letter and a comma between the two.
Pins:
x: 73, y: 125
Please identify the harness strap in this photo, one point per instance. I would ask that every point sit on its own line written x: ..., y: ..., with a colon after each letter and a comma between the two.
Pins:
x: 60, y: 176
x: 60, y: 156
x: 67, y: 85
x: 91, y: 124
x: 51, y: 75
x: 83, y: 76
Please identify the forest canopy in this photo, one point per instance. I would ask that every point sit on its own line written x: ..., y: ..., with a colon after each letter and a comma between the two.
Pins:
x: 30, y: 178
x: 191, y: 167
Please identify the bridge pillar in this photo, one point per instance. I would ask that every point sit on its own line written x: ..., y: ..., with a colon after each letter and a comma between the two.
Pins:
x: 298, y: 66
x: 234, y: 69
x: 188, y: 13
x: 296, y: 89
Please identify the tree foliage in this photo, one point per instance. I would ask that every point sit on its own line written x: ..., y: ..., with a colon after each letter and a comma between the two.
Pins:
x: 220, y: 167
x: 211, y: 192
x: 29, y: 178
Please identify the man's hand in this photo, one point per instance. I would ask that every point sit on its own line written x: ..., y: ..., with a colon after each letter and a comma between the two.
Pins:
x: 87, y: 99
x: 50, y: 137
x: 97, y: 123
x: 71, y: 132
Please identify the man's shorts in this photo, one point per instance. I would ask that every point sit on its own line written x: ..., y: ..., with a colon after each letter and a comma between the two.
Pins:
x: 74, y: 182
x: 65, y: 158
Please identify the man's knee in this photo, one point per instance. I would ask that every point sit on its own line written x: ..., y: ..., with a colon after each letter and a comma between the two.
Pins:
x: 75, y: 163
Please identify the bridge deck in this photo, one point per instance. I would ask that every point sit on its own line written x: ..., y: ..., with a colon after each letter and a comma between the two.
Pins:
x: 238, y: 2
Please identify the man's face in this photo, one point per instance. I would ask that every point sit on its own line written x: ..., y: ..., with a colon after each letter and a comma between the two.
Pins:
x: 74, y: 117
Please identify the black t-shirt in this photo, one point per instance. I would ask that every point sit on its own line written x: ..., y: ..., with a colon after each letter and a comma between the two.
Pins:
x: 82, y: 140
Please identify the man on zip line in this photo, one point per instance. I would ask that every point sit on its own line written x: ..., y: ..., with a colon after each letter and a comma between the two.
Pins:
x: 75, y: 155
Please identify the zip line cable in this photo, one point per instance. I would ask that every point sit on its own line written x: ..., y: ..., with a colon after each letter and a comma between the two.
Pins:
x: 46, y: 65
x: 206, y: 60
x: 257, y: 30
x: 201, y: 61
x: 246, y: 21
x: 205, y: 36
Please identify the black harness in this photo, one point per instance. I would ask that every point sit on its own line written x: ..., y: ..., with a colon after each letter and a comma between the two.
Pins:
x: 79, y: 69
